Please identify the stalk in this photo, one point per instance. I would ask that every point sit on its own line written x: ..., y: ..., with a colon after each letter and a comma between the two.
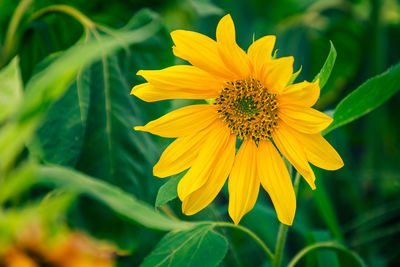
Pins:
x: 262, y: 245
x: 283, y: 230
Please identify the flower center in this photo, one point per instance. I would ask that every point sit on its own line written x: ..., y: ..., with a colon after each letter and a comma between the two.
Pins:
x: 248, y: 109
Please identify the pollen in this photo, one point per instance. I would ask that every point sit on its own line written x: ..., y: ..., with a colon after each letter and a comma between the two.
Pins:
x: 248, y: 109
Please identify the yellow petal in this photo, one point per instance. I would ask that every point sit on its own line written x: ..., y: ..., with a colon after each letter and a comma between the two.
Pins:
x: 203, y: 196
x: 180, y: 154
x: 302, y: 94
x: 276, y: 74
x: 150, y: 93
x: 276, y: 181
x: 205, y: 163
x: 319, y: 152
x: 292, y: 149
x: 233, y: 56
x: 201, y: 51
x: 243, y: 182
x: 178, y: 82
x: 182, y: 122
x: 304, y: 119
x: 182, y: 77
x: 260, y: 53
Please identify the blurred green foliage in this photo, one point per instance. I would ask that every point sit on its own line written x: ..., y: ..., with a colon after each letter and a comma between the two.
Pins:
x: 77, y: 61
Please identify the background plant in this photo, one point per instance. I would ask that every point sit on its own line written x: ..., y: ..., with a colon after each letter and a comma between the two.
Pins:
x: 66, y: 119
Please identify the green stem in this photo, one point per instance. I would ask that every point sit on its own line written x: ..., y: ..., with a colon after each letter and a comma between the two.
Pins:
x: 69, y: 10
x: 296, y: 183
x: 283, y: 230
x: 217, y: 217
x: 280, y: 245
x: 249, y: 233
x: 10, y: 40
x: 326, y: 245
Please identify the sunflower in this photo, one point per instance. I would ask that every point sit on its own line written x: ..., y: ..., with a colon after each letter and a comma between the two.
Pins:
x: 252, y: 102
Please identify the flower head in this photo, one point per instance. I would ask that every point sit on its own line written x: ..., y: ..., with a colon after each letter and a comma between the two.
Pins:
x: 35, y: 246
x: 254, y: 103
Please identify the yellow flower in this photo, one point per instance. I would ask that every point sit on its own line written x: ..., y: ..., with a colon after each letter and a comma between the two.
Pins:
x: 253, y: 103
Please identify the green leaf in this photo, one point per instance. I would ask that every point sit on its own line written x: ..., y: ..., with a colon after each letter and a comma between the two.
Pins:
x: 154, y: 53
x: 49, y: 84
x: 43, y: 38
x: 95, y: 134
x: 119, y: 201
x: 11, y: 89
x: 366, y: 97
x: 60, y: 137
x: 200, y: 246
x: 168, y: 191
x: 326, y: 70
x: 111, y: 149
x: 110, y: 141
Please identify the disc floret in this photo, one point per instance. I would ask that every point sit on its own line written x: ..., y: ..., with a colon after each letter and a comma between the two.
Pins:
x: 249, y: 110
